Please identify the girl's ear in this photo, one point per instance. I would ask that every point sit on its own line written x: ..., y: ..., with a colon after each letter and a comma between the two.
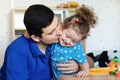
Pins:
x: 35, y: 38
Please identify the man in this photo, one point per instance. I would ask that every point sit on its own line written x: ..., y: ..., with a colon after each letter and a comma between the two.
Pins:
x: 28, y: 57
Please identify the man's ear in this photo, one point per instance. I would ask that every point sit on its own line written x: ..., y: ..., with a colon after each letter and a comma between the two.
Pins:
x: 35, y: 38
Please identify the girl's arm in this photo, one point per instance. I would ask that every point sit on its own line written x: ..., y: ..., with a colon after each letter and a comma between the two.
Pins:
x: 84, y: 72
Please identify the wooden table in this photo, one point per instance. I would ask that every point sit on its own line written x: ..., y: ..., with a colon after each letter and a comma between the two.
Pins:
x: 91, y: 77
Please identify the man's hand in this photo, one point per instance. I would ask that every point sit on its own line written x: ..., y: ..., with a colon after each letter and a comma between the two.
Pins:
x: 68, y: 67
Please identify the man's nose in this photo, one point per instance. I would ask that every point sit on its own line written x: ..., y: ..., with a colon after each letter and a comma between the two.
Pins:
x: 59, y: 33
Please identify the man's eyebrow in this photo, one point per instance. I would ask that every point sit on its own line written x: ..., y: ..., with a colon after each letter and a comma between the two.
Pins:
x: 55, y: 28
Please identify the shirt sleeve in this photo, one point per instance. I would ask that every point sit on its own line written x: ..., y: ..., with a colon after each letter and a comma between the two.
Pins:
x: 15, y: 66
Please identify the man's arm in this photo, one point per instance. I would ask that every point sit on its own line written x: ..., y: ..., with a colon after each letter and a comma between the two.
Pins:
x: 15, y: 66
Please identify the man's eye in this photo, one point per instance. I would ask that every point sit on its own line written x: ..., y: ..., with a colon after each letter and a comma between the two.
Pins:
x: 50, y: 33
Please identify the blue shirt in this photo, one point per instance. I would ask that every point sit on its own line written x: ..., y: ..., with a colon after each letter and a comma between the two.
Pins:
x: 60, y: 54
x: 24, y: 61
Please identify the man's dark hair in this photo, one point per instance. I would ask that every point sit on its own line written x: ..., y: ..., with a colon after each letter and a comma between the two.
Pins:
x: 36, y: 18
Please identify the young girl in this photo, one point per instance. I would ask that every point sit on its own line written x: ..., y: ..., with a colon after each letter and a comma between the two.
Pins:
x: 75, y: 28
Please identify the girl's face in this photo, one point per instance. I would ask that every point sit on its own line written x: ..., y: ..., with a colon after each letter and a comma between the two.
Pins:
x: 70, y: 36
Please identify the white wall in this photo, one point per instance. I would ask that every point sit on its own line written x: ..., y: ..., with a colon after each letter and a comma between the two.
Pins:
x: 4, y: 27
x: 104, y: 37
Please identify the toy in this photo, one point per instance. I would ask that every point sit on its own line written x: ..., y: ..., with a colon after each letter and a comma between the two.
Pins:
x: 62, y: 5
x: 115, y: 63
x: 102, y: 58
x: 100, y: 71
x: 70, y: 4
x: 117, y: 74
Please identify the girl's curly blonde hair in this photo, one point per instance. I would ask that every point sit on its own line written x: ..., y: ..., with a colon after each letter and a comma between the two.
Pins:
x: 84, y: 18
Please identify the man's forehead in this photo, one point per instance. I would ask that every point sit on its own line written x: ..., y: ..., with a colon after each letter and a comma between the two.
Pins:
x: 52, y: 26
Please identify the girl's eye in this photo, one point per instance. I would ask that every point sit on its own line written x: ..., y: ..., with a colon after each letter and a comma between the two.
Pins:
x: 74, y: 41
x: 67, y: 35
x: 81, y: 32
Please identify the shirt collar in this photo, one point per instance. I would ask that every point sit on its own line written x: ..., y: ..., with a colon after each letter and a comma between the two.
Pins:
x: 35, y: 49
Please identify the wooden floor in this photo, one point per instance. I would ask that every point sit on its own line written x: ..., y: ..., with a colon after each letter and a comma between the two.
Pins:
x: 91, y: 77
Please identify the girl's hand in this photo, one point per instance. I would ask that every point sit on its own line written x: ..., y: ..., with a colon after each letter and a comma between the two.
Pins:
x: 82, y: 74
